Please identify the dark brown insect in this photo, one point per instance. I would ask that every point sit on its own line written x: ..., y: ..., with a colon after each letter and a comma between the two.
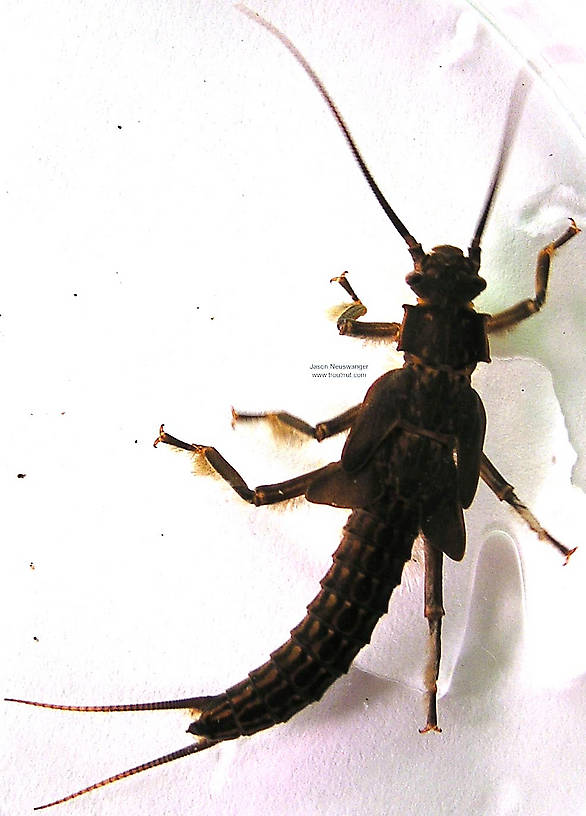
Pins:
x: 409, y: 467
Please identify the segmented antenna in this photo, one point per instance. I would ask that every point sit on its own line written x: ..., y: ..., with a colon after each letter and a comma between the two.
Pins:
x: 513, y: 115
x: 391, y: 214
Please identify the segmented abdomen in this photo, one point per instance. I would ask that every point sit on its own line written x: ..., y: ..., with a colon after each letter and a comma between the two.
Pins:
x: 355, y: 592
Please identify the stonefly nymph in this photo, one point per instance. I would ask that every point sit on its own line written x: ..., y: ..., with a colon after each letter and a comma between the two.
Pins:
x: 409, y: 467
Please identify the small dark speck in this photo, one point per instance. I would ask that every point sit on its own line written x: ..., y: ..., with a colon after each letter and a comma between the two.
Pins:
x: 211, y: 318
x: 119, y: 127
x: 35, y: 638
x: 197, y: 307
x: 20, y: 475
x: 75, y: 294
x: 366, y: 699
x: 162, y: 534
x: 136, y: 441
x: 440, y: 66
x: 32, y: 565
x: 522, y: 390
x: 550, y: 155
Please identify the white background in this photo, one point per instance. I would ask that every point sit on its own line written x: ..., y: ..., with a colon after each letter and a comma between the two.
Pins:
x: 175, y: 199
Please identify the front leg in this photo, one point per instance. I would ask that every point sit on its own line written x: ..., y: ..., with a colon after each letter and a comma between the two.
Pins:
x: 526, y: 308
x: 348, y: 322
x: 264, y: 494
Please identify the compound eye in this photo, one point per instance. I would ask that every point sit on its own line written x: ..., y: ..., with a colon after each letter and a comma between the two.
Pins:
x: 413, y: 279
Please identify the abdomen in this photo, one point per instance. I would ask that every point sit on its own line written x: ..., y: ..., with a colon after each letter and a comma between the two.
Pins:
x: 355, y: 592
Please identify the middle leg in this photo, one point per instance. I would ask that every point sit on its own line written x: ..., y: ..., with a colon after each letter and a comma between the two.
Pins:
x: 264, y: 494
x: 506, y: 492
x: 323, y: 430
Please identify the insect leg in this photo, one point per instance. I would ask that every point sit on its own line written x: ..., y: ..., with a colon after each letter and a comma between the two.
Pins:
x: 264, y: 494
x: 323, y: 430
x: 434, y: 612
x: 348, y: 322
x: 505, y: 492
x: 526, y: 308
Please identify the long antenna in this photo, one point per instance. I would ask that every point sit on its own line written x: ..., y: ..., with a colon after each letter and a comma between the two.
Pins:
x: 391, y: 214
x: 513, y: 115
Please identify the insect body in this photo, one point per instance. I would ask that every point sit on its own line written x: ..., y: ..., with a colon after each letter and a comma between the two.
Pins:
x: 410, y: 465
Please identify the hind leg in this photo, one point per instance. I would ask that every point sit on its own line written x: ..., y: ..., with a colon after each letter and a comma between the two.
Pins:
x: 434, y: 612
